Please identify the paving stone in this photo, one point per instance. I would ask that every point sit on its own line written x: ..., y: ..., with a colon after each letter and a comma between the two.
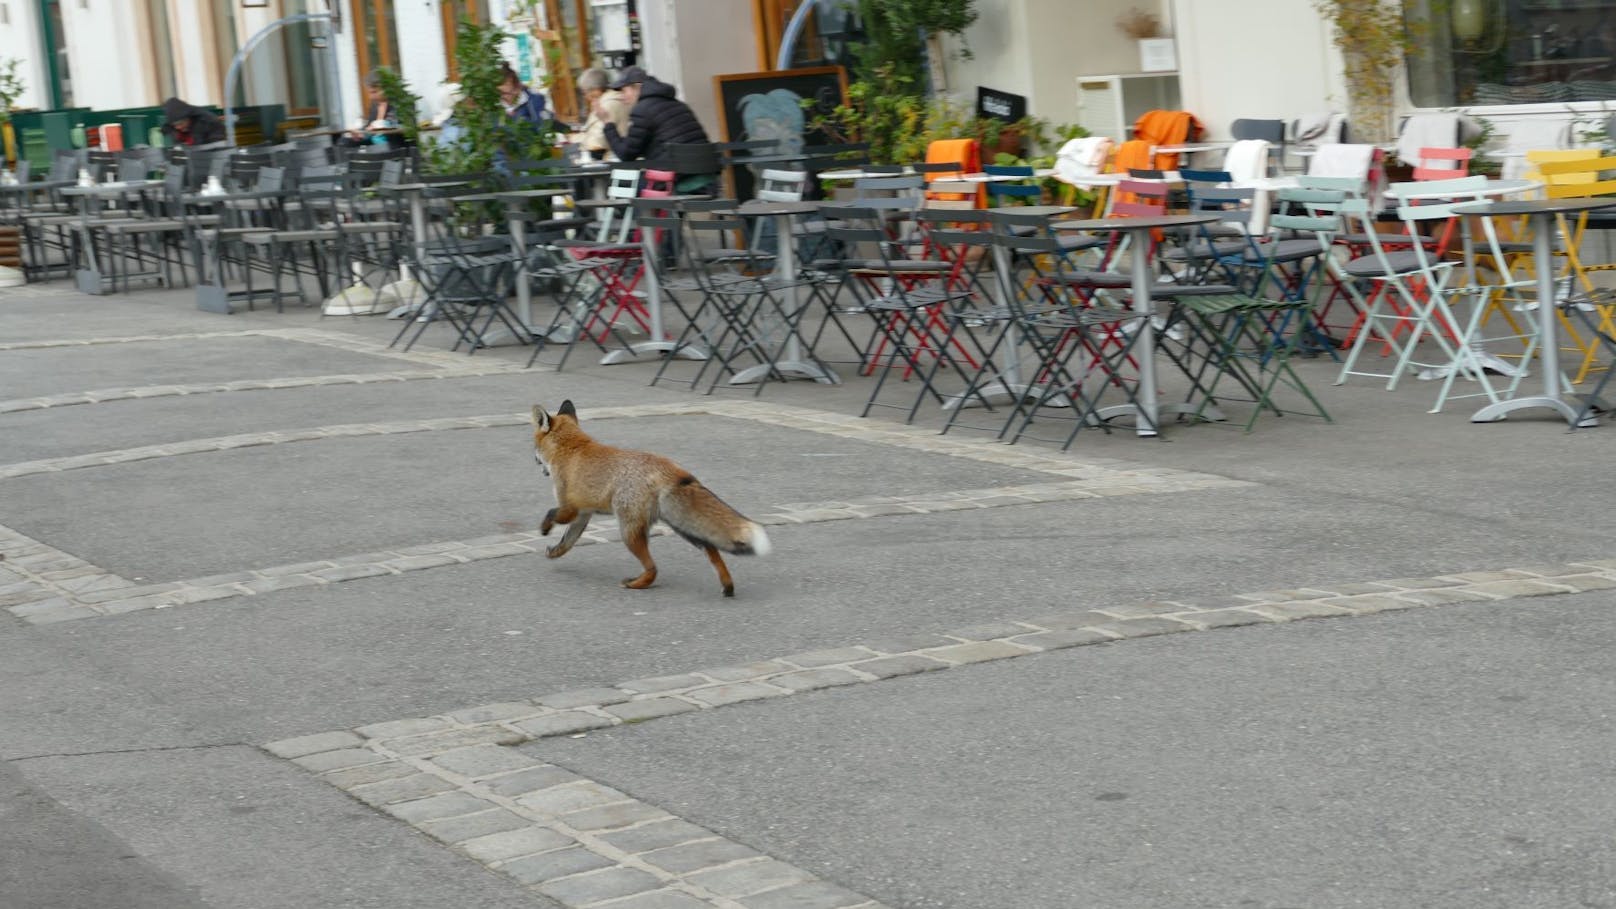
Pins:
x: 989, y: 632
x: 1438, y: 597
x: 1551, y: 570
x: 908, y: 643
x: 1418, y: 583
x: 978, y: 652
x: 448, y: 804
x: 50, y: 615
x: 806, y: 895
x: 186, y: 595
x: 835, y: 657
x: 614, y: 817
x: 660, y: 899
x: 494, y: 713
x: 562, y: 724
x: 1299, y: 609
x: 741, y: 673
x: 509, y: 844
x: 745, y: 880
x: 313, y: 744
x: 565, y: 799
x: 338, y: 760
x: 1352, y: 590
x: 662, y: 683
x: 1143, y: 610
x: 400, y: 728
x: 1069, y: 620
x: 525, y: 781
x: 1056, y: 640
x: 894, y: 666
x: 481, y: 761
x: 658, y: 835
x: 597, y: 886
x: 688, y: 857
x: 649, y: 709
x: 1482, y: 577
x: 1223, y: 618
x: 721, y: 695
x: 1517, y: 588
x: 547, y: 866
x: 1142, y: 628
x: 368, y: 773
x: 299, y: 568
x: 1586, y: 581
x: 1382, y: 602
x: 584, y: 697
x: 472, y: 826
x: 288, y: 582
x: 419, y: 562
x: 449, y: 739
x: 404, y: 789
x: 350, y: 572
x: 814, y: 679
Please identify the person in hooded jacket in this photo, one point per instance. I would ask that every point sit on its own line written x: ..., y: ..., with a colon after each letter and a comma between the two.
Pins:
x: 656, y: 119
x: 187, y: 124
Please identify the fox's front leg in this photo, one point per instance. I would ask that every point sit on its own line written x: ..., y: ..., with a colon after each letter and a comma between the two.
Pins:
x: 577, y: 522
x: 559, y: 515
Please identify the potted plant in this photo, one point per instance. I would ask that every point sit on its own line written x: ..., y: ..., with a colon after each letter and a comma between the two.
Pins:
x: 11, y: 88
x: 1373, y: 38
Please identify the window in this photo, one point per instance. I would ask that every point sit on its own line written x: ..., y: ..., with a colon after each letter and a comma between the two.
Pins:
x: 298, y: 50
x: 1491, y: 52
x: 377, y: 35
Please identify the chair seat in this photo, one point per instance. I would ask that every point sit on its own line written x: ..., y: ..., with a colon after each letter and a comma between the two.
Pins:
x: 1370, y: 267
x: 904, y: 266
x: 146, y: 226
x: 1203, y: 249
x: 291, y: 236
x: 1284, y: 251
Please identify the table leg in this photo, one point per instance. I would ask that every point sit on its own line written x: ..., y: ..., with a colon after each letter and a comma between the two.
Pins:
x: 1548, y: 344
x: 794, y: 361
x: 1010, y: 386
x: 89, y: 279
x: 659, y: 341
x: 406, y: 282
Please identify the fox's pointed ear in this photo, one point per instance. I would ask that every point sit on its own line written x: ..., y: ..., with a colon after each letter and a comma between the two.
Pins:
x: 541, y: 420
x: 567, y: 410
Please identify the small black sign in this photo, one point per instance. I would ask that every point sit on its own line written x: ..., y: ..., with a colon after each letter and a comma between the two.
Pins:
x: 1000, y: 105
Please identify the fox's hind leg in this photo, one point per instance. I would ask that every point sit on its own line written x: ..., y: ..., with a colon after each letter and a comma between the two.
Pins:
x: 636, y: 538
x: 723, y: 570
x: 575, y: 529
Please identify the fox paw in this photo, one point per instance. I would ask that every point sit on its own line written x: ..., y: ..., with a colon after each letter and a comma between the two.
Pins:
x: 548, y: 523
x: 729, y: 590
x: 556, y: 552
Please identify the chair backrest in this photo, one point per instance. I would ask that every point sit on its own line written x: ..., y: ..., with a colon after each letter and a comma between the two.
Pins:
x: 656, y: 184
x: 782, y: 185
x: 1019, y: 189
x: 625, y: 183
x: 1249, y: 160
x: 691, y: 158
x: 1166, y: 127
x: 891, y: 193
x: 1139, y: 198
x: 1537, y: 157
x: 1269, y: 131
x: 1433, y: 129
x: 1082, y: 157
x: 951, y: 194
x: 1442, y: 163
x: 270, y: 179
x: 1342, y: 160
x: 964, y: 154
x: 1578, y: 177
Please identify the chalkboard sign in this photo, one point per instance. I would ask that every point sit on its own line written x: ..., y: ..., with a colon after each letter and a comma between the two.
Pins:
x: 1000, y: 105
x: 769, y: 105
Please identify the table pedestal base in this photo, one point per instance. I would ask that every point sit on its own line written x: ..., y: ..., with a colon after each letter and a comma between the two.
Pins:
x: 799, y: 369
x: 1001, y: 391
x: 634, y: 351
x: 91, y: 281
x: 222, y: 300
x: 1209, y: 413
x: 1493, y: 413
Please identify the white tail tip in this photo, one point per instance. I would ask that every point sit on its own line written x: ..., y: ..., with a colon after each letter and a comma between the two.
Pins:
x: 760, y: 541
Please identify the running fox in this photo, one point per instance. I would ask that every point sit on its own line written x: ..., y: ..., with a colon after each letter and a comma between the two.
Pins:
x: 639, y: 487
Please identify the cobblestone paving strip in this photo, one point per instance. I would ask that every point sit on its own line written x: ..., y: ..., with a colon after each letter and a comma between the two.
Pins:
x: 40, y: 584
x: 456, y: 778
x: 1072, y: 479
x: 443, y: 366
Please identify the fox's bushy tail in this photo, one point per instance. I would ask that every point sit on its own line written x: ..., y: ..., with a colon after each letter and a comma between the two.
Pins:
x: 696, y: 514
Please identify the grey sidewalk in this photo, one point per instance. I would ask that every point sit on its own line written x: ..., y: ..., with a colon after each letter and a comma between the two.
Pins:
x: 273, y: 624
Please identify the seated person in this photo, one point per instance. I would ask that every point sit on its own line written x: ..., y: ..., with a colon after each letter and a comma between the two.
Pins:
x: 380, y: 126
x: 187, y: 124
x: 521, y: 103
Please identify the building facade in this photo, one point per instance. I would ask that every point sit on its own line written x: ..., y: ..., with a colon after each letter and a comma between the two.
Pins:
x: 1511, y: 61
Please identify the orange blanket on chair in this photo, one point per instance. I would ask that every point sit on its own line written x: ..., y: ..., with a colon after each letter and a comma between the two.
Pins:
x: 1166, y: 127
x: 967, y: 153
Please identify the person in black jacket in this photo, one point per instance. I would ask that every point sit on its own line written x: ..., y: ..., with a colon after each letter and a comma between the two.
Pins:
x: 656, y: 119
x: 187, y: 124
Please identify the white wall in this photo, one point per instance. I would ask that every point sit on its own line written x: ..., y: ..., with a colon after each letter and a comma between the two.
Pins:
x: 107, y: 54
x: 688, y: 42
x: 422, y: 62
x: 21, y: 41
x: 1234, y: 64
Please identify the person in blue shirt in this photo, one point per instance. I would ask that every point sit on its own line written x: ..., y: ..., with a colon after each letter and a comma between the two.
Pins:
x: 520, y: 102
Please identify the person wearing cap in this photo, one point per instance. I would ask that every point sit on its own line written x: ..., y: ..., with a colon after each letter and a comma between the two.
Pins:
x: 657, y: 119
x: 595, y: 84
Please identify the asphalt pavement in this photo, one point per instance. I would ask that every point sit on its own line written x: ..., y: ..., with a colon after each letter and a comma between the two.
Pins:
x: 277, y: 631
